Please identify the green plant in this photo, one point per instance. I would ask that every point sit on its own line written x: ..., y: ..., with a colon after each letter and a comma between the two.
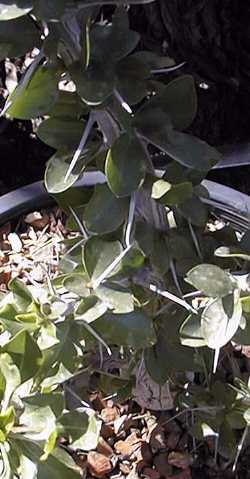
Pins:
x: 145, y: 280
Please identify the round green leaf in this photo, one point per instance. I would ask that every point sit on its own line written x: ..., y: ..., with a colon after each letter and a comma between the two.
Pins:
x: 190, y: 332
x: 217, y: 326
x: 115, y: 41
x: 99, y: 254
x: 90, y: 308
x: 61, y: 132
x: 171, y: 194
x: 56, y: 171
x: 131, y: 75
x: 36, y: 98
x: 190, y: 151
x: 125, y: 166
x: 77, y: 283
x: 133, y: 329
x: 104, y: 213
x: 117, y: 297
x: 194, y: 211
x: 10, y: 9
x: 93, y: 85
x: 155, y: 362
x: 179, y: 100
x: 17, y: 37
x: 68, y: 105
x: 210, y: 279
x: 81, y: 428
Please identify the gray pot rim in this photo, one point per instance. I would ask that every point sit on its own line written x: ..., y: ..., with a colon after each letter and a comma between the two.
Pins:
x: 228, y: 203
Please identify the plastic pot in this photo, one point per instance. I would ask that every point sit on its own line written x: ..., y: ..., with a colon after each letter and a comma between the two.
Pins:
x: 229, y: 204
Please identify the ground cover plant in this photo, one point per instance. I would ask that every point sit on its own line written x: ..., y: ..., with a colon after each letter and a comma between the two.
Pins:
x: 148, y: 287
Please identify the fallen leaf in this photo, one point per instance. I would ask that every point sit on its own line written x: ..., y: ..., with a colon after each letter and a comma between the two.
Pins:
x: 5, y: 274
x: 146, y: 453
x: 128, y: 447
x: 98, y: 464
x: 107, y: 431
x: 15, y: 242
x: 37, y: 219
x: 150, y: 473
x: 5, y: 230
x: 246, y: 351
x: 104, y: 448
x: 109, y: 414
x: 157, y: 439
x: 97, y: 401
x: 162, y: 465
x: 179, y: 459
x: 186, y: 474
x: 148, y: 394
x: 124, y: 468
x: 172, y: 440
x: 119, y: 422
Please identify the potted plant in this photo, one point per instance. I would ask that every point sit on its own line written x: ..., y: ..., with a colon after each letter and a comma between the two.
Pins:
x: 150, y: 291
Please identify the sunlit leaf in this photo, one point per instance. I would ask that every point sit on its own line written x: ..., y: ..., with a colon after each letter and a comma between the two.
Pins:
x: 171, y: 194
x: 190, y: 332
x: 81, y: 428
x: 210, y: 279
x: 37, y: 97
x: 77, y: 283
x: 218, y: 325
x: 98, y: 255
x: 22, y: 348
x: 10, y: 9
x: 116, y: 297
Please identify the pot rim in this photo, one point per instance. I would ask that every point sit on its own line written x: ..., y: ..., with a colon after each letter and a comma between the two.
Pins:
x: 230, y: 204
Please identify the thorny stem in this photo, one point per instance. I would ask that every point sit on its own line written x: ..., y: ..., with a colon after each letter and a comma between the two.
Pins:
x: 172, y: 297
x: 123, y: 103
x: 110, y: 268
x: 80, y: 148
x: 174, y: 276
x: 195, y: 240
x: 239, y: 449
x: 128, y: 243
x: 131, y: 215
x: 96, y: 335
x: 79, y: 223
x: 76, y: 396
x: 158, y: 71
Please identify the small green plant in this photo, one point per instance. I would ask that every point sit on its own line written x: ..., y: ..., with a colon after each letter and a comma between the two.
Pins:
x: 145, y: 280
